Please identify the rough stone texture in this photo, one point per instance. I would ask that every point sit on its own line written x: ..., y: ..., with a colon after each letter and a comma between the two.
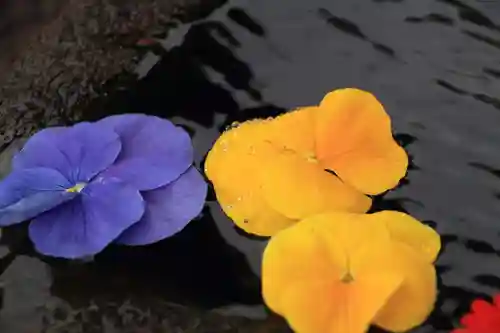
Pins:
x: 61, y: 52
x: 8, y: 153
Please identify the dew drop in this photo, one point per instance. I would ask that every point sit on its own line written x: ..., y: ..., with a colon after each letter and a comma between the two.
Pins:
x: 224, y: 146
x: 234, y: 124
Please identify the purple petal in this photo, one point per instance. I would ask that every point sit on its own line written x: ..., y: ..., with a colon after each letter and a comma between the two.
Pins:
x: 79, y: 152
x: 27, y: 193
x: 42, y: 139
x: 86, y: 225
x: 168, y: 209
x: 154, y: 151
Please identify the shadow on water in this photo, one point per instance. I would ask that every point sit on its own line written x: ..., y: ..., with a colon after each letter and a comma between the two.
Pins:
x: 436, y: 72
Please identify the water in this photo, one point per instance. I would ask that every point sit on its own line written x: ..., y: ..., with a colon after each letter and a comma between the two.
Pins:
x: 434, y: 64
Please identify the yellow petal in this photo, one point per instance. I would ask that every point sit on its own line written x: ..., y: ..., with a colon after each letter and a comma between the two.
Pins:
x: 297, y: 188
x: 302, y: 273
x: 337, y: 307
x: 251, y: 213
x: 316, y: 248
x: 343, y: 233
x: 294, y: 131
x: 231, y: 162
x: 231, y: 166
x: 354, y: 139
x: 412, y: 303
x: 408, y: 230
x: 296, y: 254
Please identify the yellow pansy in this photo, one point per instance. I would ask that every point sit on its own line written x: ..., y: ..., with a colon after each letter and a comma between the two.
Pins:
x: 268, y: 174
x: 341, y: 272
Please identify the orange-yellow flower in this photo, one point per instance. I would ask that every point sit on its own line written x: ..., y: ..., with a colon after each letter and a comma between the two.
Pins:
x: 268, y: 174
x: 340, y: 272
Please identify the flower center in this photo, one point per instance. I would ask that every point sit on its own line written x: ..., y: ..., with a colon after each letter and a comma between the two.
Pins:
x: 77, y: 188
x: 347, y: 278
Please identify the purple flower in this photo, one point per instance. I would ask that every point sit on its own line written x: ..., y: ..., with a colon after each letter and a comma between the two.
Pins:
x: 127, y: 179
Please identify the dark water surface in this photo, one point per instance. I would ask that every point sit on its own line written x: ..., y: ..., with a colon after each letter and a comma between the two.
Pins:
x: 435, y: 65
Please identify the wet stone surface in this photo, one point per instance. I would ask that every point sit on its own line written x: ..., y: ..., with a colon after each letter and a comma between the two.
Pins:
x: 57, y: 54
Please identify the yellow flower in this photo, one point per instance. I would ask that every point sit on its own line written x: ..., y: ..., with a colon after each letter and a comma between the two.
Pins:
x: 340, y: 272
x: 268, y: 174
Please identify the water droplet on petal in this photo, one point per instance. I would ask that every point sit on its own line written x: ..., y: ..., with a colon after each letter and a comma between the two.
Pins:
x: 224, y: 145
x: 234, y: 124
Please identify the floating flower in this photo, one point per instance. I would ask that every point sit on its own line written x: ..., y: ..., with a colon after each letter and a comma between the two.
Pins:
x: 483, y: 318
x: 126, y: 178
x: 268, y: 174
x: 341, y: 272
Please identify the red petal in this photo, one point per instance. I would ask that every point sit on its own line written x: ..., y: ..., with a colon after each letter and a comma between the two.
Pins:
x: 481, y: 306
x: 496, y: 301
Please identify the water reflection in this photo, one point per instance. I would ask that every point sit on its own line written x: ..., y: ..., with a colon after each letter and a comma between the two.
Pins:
x: 471, y: 14
x: 432, y: 17
x: 433, y: 63
x: 128, y: 288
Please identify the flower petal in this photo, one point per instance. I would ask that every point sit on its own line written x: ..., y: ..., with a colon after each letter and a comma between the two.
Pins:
x: 354, y: 139
x: 87, y: 224
x: 302, y: 274
x: 232, y: 161
x: 496, y: 301
x: 231, y: 166
x: 390, y: 283
x: 413, y: 302
x: 483, y: 308
x: 316, y: 248
x: 338, y: 306
x: 168, y: 209
x: 155, y: 152
x: 484, y: 317
x: 251, y: 213
x: 294, y: 131
x: 28, y: 192
x: 406, y: 229
x: 297, y: 188
x: 39, y: 151
x: 295, y: 254
x: 369, y: 255
x: 79, y: 152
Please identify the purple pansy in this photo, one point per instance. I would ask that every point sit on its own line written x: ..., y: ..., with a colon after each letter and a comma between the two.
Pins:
x: 127, y: 179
